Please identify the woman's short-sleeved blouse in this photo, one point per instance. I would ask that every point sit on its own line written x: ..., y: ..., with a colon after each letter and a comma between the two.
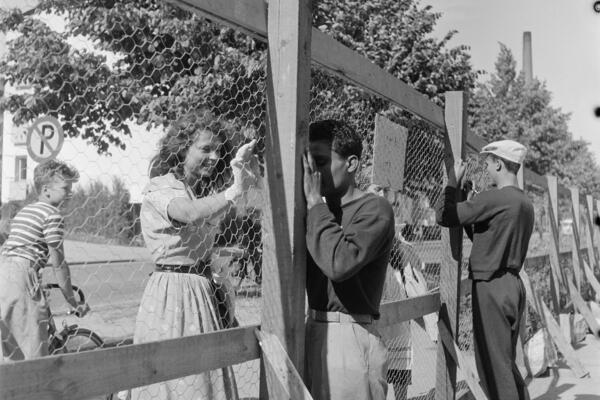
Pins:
x: 170, y: 241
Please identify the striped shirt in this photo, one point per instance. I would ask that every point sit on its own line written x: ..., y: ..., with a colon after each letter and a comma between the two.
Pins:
x: 35, y: 227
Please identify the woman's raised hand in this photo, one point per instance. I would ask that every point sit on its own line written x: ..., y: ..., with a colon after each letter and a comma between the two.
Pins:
x: 245, y: 169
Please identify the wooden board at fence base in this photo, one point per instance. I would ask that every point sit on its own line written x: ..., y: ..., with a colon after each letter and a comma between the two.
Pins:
x: 289, y: 384
x: 589, y: 274
x: 461, y: 361
x: 94, y: 373
x: 552, y: 326
x: 389, y: 153
x: 583, y: 309
x: 561, y: 343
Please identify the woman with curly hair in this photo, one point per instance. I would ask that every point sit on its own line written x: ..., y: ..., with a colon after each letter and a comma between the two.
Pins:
x: 193, y: 183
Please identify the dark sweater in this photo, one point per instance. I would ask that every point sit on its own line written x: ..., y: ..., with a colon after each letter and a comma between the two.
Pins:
x: 349, y: 249
x: 502, y: 222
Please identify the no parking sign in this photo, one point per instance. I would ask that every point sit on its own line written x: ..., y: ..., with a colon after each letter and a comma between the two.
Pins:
x: 45, y: 139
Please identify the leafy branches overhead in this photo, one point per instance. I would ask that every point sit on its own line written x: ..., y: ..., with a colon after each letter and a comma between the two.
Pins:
x: 395, y: 34
x: 149, y: 64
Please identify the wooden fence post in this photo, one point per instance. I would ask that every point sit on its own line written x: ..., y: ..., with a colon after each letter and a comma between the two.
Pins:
x: 450, y: 273
x: 589, y: 219
x: 288, y: 91
x: 575, y: 247
x: 556, y: 277
x: 578, y: 266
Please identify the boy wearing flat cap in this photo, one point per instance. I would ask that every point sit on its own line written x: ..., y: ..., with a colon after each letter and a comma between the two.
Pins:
x: 502, y: 221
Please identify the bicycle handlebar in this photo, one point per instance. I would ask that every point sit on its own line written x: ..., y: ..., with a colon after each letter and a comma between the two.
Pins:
x: 76, y: 289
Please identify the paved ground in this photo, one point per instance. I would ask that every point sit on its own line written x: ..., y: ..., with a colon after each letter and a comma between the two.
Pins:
x: 561, y: 384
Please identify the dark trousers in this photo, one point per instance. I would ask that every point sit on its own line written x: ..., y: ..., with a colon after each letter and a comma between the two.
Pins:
x: 498, y: 305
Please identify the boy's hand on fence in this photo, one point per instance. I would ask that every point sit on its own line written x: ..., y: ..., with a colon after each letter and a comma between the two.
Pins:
x: 312, y: 181
x: 459, y: 170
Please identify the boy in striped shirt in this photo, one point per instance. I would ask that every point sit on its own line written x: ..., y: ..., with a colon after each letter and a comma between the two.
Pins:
x: 35, y: 240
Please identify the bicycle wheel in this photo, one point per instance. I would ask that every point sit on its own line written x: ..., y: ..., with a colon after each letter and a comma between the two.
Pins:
x: 74, y: 339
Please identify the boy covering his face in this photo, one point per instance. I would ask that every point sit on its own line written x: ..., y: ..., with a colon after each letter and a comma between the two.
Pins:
x: 349, y: 238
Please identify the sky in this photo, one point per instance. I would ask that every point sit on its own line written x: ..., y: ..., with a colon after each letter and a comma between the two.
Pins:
x: 565, y: 47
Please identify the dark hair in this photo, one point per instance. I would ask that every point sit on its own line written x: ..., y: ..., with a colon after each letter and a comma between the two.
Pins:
x: 511, y: 166
x: 48, y: 171
x: 181, y: 135
x: 344, y: 140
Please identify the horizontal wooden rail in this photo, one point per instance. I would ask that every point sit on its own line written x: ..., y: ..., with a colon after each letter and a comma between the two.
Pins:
x: 415, y: 307
x: 407, y: 309
x: 250, y: 16
x: 94, y: 373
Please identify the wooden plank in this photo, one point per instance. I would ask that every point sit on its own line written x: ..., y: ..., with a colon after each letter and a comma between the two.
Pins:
x: 553, y: 328
x: 589, y: 274
x: 357, y: 69
x: 327, y: 52
x: 583, y: 309
x: 557, y: 277
x: 589, y: 221
x: 575, y: 241
x: 461, y: 361
x: 284, y: 266
x: 561, y: 343
x: 450, y: 273
x: 415, y: 307
x: 249, y: 16
x: 288, y: 383
x: 389, y: 150
x: 404, y: 310
x: 82, y: 375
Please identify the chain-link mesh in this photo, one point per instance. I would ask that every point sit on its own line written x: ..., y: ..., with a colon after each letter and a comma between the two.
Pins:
x: 160, y: 92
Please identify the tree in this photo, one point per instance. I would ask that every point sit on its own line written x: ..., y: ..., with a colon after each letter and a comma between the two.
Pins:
x: 505, y: 107
x: 163, y: 61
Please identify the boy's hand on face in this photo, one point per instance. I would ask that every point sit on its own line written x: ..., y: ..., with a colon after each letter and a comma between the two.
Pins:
x: 312, y: 181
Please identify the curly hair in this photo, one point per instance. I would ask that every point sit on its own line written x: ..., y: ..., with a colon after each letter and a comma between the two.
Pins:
x: 47, y: 172
x: 343, y: 138
x: 181, y: 136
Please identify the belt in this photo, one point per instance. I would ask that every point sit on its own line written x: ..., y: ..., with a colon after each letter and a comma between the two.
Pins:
x: 336, y: 316
x: 200, y: 268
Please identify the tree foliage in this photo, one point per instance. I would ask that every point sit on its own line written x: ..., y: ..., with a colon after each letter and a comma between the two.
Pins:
x: 164, y: 62
x: 151, y: 61
x: 505, y: 107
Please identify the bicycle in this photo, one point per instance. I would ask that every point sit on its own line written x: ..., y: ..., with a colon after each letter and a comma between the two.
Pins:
x: 72, y: 338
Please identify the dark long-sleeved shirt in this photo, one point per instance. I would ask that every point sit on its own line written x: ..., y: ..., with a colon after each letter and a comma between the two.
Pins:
x: 502, y: 222
x: 349, y: 249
